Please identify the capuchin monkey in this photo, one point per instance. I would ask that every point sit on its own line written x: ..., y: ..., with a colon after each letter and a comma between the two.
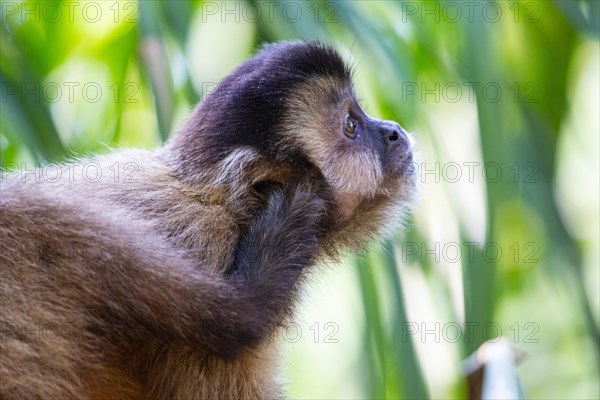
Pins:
x: 168, y: 274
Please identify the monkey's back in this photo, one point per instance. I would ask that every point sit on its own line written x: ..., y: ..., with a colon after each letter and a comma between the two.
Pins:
x: 57, y: 235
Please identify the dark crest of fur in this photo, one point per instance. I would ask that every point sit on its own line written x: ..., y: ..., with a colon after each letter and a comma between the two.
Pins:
x: 247, y: 107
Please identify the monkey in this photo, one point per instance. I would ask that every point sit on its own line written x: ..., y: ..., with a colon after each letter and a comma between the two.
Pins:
x: 169, y: 273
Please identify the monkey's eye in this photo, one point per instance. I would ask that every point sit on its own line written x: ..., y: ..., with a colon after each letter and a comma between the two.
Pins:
x: 350, y: 127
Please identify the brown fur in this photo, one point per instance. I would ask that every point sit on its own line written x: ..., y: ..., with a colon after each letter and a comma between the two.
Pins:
x: 173, y: 284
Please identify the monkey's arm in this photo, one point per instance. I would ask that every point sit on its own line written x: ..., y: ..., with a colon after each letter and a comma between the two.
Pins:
x: 228, y: 314
x: 150, y: 290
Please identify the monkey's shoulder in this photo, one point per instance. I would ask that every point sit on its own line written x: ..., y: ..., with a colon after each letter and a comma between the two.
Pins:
x: 132, y: 191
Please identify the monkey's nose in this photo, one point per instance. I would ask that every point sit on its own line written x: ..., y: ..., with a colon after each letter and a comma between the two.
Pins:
x: 395, y: 136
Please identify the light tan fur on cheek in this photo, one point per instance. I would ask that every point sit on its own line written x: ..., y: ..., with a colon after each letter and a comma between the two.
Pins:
x: 356, y: 175
x: 353, y: 171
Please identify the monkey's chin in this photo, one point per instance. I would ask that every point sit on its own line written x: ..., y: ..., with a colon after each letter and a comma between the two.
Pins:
x: 403, y: 167
x: 401, y: 177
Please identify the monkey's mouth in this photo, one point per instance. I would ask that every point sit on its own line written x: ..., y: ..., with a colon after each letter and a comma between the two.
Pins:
x: 402, y: 165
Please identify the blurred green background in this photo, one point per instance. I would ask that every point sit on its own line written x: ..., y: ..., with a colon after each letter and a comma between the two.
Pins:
x: 503, y: 98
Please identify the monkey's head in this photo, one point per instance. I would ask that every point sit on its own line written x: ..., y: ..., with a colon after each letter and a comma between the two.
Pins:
x: 290, y: 113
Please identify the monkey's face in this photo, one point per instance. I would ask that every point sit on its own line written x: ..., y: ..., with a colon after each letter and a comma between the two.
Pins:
x: 366, y: 161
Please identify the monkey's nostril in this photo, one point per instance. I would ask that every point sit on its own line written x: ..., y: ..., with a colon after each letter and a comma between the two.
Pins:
x: 394, y: 136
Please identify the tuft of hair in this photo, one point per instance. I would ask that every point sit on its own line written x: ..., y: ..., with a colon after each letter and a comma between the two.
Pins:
x: 248, y: 107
